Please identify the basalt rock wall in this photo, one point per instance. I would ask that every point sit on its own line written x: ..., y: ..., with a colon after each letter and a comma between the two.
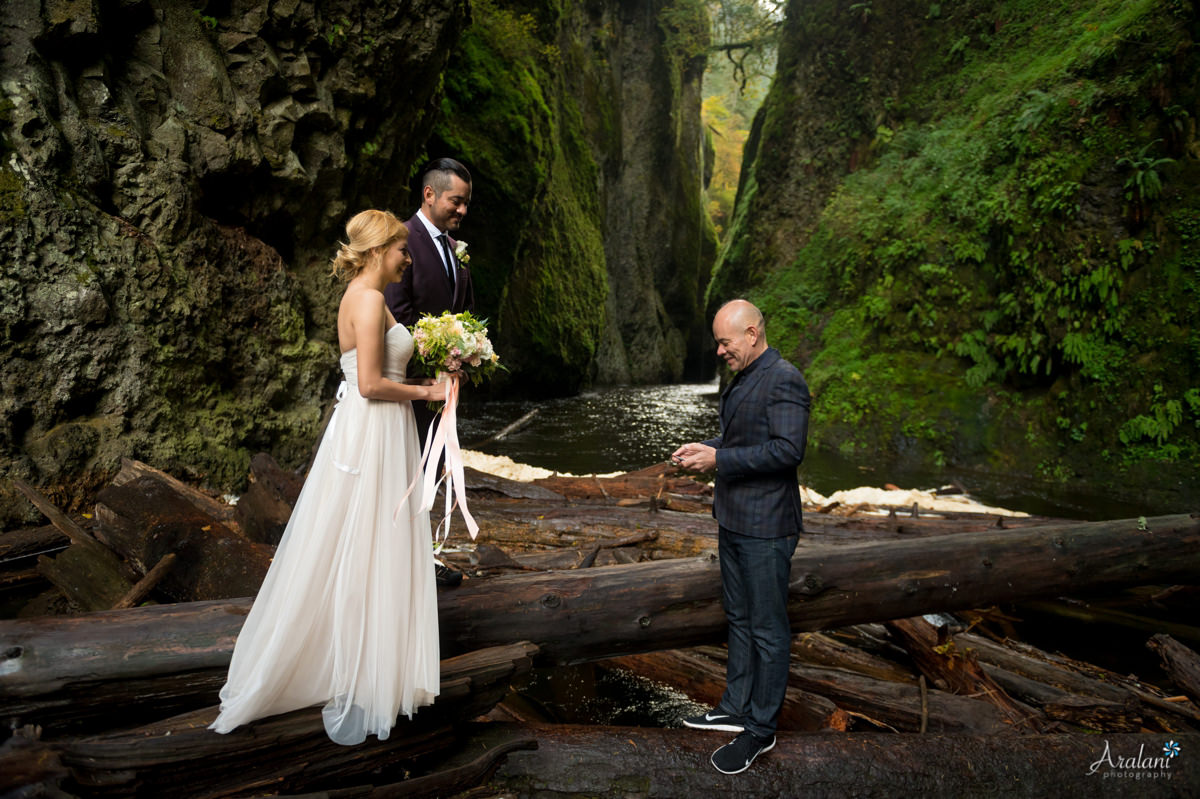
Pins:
x: 591, y: 244
x: 173, y: 178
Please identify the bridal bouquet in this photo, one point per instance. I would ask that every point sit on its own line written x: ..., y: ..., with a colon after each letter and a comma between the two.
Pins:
x: 450, y: 344
x: 455, y: 343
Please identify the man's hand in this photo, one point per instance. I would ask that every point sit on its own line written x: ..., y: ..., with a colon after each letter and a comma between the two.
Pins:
x: 695, y: 458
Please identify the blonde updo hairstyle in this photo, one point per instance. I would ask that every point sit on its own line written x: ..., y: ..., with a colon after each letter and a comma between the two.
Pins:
x: 370, y: 232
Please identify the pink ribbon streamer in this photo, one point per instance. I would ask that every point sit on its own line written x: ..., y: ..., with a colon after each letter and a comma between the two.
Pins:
x: 443, y: 441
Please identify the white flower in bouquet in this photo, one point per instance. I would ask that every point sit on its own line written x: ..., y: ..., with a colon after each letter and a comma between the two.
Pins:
x: 455, y: 343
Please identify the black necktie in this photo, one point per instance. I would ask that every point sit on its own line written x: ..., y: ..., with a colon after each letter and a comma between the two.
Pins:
x: 449, y: 257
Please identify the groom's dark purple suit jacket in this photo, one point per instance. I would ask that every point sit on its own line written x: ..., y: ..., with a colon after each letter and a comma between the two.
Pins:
x: 424, y: 287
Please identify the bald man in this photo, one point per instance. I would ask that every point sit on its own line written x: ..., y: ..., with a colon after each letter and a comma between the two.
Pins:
x: 756, y: 500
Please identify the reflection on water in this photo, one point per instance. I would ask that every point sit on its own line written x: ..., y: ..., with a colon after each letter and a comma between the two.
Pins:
x: 588, y: 693
x: 632, y: 427
x: 610, y: 430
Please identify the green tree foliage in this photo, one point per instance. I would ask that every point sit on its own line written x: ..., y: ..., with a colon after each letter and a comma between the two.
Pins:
x: 745, y: 42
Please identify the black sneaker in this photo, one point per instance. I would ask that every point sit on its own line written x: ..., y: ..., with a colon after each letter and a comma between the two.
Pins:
x: 737, y: 755
x: 715, y: 720
x: 444, y: 575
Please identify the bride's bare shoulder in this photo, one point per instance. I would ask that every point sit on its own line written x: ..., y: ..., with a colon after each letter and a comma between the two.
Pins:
x: 361, y: 298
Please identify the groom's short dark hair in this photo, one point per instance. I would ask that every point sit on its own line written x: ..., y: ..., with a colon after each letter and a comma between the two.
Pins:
x: 438, y: 171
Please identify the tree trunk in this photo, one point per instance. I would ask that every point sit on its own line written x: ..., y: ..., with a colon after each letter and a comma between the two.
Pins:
x: 1181, y: 663
x: 285, y: 752
x: 265, y: 507
x: 633, y: 761
x: 590, y: 614
x: 147, y: 518
x: 955, y: 671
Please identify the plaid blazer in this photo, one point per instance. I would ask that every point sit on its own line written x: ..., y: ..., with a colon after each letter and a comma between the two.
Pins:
x: 764, y: 427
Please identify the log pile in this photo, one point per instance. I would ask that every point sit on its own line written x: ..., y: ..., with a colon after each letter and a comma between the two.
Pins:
x: 113, y: 698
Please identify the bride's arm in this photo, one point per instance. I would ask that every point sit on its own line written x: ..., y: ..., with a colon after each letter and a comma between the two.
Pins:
x: 367, y: 317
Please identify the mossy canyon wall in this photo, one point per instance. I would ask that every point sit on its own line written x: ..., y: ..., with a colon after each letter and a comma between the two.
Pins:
x: 173, y: 179
x: 977, y: 227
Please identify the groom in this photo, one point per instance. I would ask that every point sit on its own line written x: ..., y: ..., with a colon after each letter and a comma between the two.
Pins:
x: 756, y: 499
x: 437, y: 281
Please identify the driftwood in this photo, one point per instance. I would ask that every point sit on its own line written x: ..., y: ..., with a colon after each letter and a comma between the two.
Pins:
x: 652, y: 481
x: 86, y: 572
x: 145, y: 519
x: 1081, y: 694
x: 286, y: 752
x: 633, y: 761
x: 17, y: 544
x: 955, y: 671
x: 590, y: 614
x: 213, y: 508
x: 264, y: 509
x: 894, y: 706
x: 1181, y: 663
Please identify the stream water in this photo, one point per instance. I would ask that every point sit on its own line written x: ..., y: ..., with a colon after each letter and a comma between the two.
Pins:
x: 626, y: 428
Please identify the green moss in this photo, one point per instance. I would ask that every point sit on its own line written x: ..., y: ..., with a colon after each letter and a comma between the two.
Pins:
x: 988, y: 238
x: 12, y: 197
x: 538, y: 258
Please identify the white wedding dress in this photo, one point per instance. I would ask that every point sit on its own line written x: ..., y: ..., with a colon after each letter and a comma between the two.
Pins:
x: 347, y: 614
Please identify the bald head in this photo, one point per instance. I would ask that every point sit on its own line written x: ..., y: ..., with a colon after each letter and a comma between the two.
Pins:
x: 740, y: 333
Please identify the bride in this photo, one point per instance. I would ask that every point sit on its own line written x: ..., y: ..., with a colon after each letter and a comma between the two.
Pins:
x: 347, y: 614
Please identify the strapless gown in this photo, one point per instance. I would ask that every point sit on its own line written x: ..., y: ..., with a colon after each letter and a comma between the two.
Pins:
x: 347, y: 614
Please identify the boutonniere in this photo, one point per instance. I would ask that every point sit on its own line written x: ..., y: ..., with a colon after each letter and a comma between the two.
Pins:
x: 460, y: 251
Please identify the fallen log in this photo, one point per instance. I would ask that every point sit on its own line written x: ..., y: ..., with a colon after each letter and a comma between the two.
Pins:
x: 504, y: 431
x: 87, y: 572
x: 1112, y: 701
x: 287, y: 752
x: 213, y: 508
x: 1180, y: 663
x: 819, y: 649
x: 263, y: 510
x: 590, y: 614
x: 634, y: 761
x: 894, y: 706
x: 146, y: 518
x: 16, y: 545
x: 956, y: 671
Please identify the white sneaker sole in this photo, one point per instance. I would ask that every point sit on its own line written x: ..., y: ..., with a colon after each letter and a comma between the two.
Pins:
x: 767, y: 748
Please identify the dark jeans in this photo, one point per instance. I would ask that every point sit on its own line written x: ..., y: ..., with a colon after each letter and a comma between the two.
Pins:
x: 754, y: 589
